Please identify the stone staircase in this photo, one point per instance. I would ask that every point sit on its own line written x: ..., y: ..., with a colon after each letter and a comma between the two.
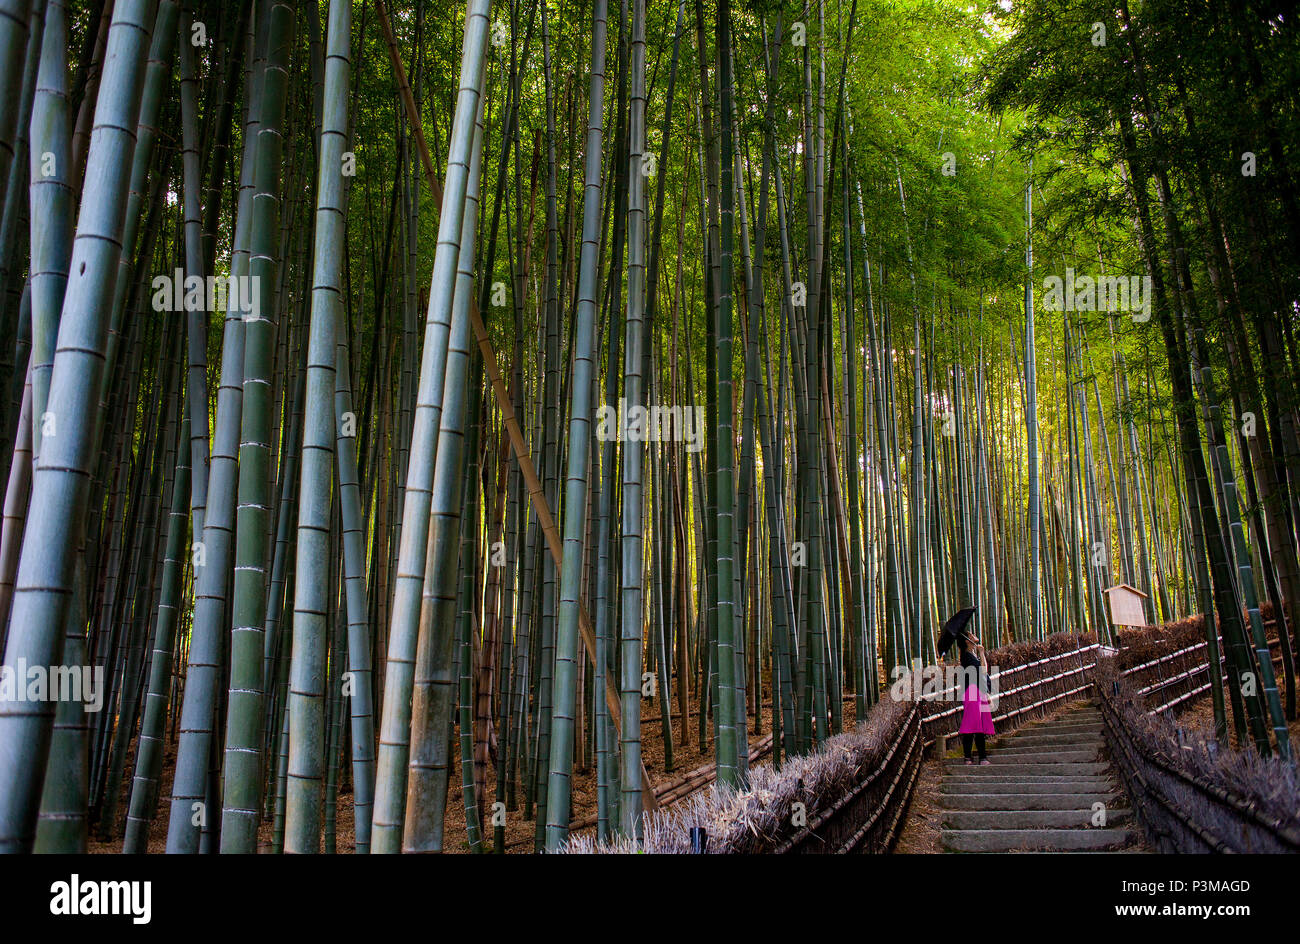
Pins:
x: 1040, y: 793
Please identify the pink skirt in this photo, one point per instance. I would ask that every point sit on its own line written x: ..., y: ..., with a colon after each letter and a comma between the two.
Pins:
x: 975, y: 716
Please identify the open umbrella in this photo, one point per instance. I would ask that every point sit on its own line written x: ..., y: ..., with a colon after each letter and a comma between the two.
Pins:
x: 956, y: 626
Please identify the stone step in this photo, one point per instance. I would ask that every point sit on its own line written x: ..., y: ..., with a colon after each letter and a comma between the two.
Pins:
x: 1008, y: 770
x: 1065, y: 774
x: 1094, y: 779
x: 1057, y: 729
x: 1050, y: 740
x: 1051, y: 840
x: 991, y: 802
x: 1129, y: 850
x: 1087, y: 710
x: 1038, y: 793
x: 1018, y: 749
x: 1024, y: 758
x: 1032, y: 819
x: 1054, y: 727
x: 1058, y: 786
x: 1029, y: 737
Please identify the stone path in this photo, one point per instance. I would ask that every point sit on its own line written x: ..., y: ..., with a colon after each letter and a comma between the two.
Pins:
x: 1048, y: 788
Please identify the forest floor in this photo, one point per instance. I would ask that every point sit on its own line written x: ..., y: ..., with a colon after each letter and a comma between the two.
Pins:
x: 920, y: 835
x: 924, y: 823
x: 1199, y: 717
x: 921, y: 832
x: 520, y: 829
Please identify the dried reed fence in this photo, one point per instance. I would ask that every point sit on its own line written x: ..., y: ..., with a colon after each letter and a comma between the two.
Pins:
x: 863, y: 777
x: 852, y: 794
x: 1168, y: 666
x: 1188, y: 794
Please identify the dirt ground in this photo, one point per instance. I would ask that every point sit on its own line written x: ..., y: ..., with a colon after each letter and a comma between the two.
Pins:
x: 1199, y: 717
x: 924, y: 823
x: 519, y: 828
x: 920, y: 835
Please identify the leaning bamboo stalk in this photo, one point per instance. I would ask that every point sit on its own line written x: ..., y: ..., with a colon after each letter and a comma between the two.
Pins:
x: 149, y: 751
x: 51, y: 223
x: 582, y: 389
x: 360, y: 667
x: 549, y: 421
x: 241, y: 793
x: 435, y: 674
x: 14, y: 314
x: 14, y: 25
x: 211, y: 550
x: 312, y: 599
x: 61, y: 479
x: 17, y: 493
x: 197, y: 320
x: 404, y: 632
x: 51, y: 207
x: 632, y: 585
x: 545, y: 518
x: 731, y: 716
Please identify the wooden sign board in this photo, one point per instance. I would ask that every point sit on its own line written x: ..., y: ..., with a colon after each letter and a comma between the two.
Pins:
x: 1126, y: 605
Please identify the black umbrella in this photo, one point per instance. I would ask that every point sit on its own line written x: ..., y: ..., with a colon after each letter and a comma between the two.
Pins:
x: 956, y: 626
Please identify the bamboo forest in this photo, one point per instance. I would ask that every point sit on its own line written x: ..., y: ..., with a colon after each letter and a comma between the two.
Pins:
x: 601, y: 426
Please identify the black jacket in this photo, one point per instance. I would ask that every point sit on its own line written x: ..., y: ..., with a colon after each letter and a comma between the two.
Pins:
x: 971, y: 661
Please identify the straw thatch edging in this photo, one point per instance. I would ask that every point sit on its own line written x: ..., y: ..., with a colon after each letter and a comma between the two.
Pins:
x: 852, y: 793
x: 1188, y: 794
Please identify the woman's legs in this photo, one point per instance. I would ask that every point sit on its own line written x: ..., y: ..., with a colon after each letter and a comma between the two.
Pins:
x: 979, y: 746
x: 966, y: 740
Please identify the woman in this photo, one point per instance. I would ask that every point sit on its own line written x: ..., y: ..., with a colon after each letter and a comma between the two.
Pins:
x: 976, y: 719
